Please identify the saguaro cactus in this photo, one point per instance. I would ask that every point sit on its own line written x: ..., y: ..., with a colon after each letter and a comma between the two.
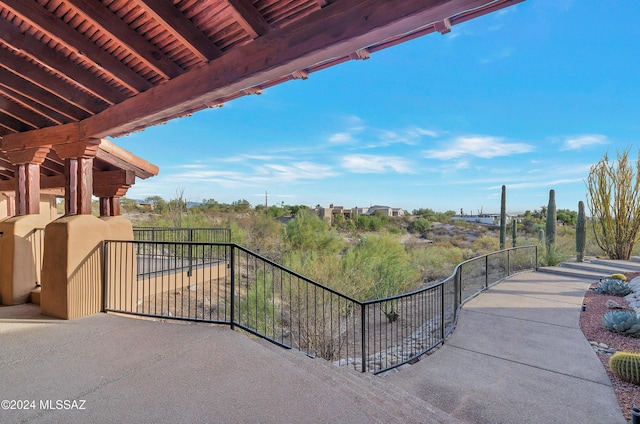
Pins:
x: 503, y: 216
x: 581, y: 233
x: 540, y: 236
x: 551, y: 221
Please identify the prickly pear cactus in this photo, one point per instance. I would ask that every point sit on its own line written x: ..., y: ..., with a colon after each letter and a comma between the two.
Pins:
x: 626, y: 323
x: 613, y: 286
x: 626, y: 366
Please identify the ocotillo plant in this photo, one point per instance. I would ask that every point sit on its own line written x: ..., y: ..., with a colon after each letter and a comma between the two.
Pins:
x: 551, y: 221
x: 581, y: 233
x: 503, y: 216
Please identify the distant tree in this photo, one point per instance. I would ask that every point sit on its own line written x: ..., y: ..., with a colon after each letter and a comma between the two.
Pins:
x: 568, y: 217
x: 241, y: 206
x: 159, y: 204
x: 613, y: 198
x: 419, y: 226
x: 128, y: 205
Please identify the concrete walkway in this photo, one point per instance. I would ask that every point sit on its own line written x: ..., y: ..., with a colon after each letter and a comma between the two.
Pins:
x: 518, y: 356
x: 126, y: 370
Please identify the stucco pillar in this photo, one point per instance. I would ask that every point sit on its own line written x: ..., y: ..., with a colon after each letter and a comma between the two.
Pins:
x: 11, y: 203
x: 78, y: 174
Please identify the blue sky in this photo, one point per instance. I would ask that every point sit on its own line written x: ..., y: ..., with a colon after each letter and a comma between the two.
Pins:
x: 529, y: 97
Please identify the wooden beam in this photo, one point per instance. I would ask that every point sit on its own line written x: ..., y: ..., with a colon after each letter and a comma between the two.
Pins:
x: 333, y: 31
x: 59, y: 134
x: 44, y: 80
x: 60, y: 64
x: 102, y: 17
x: 113, y: 178
x: 124, y: 159
x: 48, y: 23
x: 14, y: 124
x: 30, y: 104
x: 24, y: 114
x: 40, y: 95
x: 180, y: 27
x: 249, y: 18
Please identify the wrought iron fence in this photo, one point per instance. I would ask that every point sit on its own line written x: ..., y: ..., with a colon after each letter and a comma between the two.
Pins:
x: 203, y: 235
x: 226, y: 283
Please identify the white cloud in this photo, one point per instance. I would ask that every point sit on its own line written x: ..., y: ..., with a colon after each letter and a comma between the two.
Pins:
x: 243, y: 158
x: 580, y: 141
x: 365, y: 164
x: 485, y: 147
x: 341, y: 138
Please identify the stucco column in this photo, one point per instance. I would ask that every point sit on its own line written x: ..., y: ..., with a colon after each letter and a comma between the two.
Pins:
x: 11, y: 203
x: 27, y: 177
x: 78, y: 174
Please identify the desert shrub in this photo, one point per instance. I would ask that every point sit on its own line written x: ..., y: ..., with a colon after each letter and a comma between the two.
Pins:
x: 309, y: 233
x: 485, y: 244
x: 437, y: 262
x: 377, y: 267
x: 256, y: 307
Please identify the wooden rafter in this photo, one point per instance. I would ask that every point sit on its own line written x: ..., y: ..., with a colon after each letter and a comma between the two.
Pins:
x: 102, y: 17
x: 181, y: 28
x: 42, y: 79
x: 78, y: 70
x: 58, y: 63
x: 56, y: 29
x: 249, y: 18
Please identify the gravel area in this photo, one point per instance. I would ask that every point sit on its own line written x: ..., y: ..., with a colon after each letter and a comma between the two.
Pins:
x: 590, y: 322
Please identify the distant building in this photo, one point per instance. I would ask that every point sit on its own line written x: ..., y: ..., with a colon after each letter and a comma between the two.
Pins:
x: 485, y: 218
x: 350, y: 213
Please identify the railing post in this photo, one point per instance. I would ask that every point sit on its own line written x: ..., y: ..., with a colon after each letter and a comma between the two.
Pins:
x: 363, y: 336
x: 508, y: 262
x: 232, y: 256
x: 105, y: 275
x: 486, y: 271
x: 190, y: 259
x: 536, y: 264
x: 459, y: 288
x: 442, y: 315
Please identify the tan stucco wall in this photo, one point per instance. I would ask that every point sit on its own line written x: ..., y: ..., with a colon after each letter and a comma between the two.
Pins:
x: 3, y: 207
x: 19, y: 257
x: 72, y: 284
x: 48, y: 206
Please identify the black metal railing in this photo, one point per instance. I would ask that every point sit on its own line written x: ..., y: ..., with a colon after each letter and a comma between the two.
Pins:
x: 203, y: 235
x: 226, y: 283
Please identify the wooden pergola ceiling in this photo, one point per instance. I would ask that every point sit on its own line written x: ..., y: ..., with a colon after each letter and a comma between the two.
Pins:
x: 87, y: 69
